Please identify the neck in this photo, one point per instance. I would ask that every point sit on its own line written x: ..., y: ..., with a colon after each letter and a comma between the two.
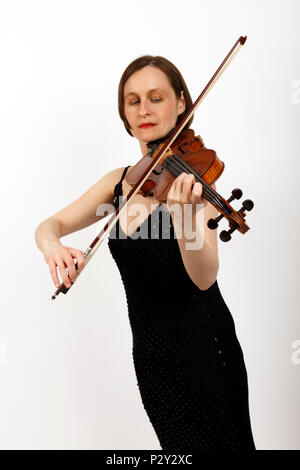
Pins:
x: 144, y: 147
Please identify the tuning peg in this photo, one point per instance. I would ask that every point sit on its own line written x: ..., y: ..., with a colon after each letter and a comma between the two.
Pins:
x: 213, y: 223
x: 236, y: 194
x: 247, y: 205
x: 225, y: 235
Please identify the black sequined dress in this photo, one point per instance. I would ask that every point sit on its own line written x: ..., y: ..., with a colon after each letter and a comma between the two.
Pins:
x: 188, y: 361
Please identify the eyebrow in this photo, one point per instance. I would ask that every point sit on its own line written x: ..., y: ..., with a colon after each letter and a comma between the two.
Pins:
x: 150, y: 91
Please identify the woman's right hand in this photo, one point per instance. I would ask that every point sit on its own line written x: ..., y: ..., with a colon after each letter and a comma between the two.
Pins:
x: 62, y: 257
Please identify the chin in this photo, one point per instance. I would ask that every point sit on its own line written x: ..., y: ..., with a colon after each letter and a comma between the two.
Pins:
x: 156, y: 134
x: 151, y: 134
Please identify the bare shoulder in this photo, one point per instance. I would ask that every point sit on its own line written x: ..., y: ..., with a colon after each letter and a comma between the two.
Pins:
x: 110, y: 179
x: 83, y: 211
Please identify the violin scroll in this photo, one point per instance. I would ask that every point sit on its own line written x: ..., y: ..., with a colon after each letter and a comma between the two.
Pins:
x: 236, y: 219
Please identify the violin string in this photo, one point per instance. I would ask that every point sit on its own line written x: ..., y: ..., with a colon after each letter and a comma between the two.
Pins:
x: 179, y: 165
x: 214, y: 196
x: 206, y: 187
x: 208, y: 191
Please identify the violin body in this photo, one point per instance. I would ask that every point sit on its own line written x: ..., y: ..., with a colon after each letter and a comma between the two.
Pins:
x: 190, y: 149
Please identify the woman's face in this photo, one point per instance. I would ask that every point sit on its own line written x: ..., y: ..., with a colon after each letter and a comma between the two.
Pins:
x: 149, y: 98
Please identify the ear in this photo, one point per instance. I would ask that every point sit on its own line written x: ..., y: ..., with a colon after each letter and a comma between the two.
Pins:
x: 181, y: 104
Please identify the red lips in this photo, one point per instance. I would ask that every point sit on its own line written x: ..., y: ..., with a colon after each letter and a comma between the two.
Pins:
x: 146, y: 125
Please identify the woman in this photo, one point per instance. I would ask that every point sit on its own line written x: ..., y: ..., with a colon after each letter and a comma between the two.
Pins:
x: 188, y: 361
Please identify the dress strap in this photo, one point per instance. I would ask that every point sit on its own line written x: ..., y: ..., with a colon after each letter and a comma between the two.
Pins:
x: 118, y: 188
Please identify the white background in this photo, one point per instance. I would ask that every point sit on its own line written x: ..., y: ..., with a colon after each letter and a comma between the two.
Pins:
x: 66, y: 374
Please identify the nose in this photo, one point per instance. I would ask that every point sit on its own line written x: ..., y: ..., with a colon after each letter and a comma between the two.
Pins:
x: 144, y: 109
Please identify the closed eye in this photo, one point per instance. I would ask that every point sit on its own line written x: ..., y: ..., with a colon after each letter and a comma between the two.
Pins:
x: 154, y: 100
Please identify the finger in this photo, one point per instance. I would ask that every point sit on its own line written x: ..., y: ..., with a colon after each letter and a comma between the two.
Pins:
x: 197, y: 189
x: 78, y: 254
x: 173, y: 189
x: 178, y: 187
x: 196, y: 196
x: 63, y: 273
x: 68, y: 260
x: 53, y: 272
x: 187, y: 187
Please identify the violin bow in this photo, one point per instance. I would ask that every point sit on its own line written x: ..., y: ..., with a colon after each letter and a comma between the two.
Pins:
x: 91, y: 250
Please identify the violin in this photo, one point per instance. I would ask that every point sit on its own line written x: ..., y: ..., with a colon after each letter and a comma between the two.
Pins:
x: 180, y: 151
x: 188, y: 154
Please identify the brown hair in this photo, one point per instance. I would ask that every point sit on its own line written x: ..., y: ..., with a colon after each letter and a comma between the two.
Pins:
x: 175, y: 78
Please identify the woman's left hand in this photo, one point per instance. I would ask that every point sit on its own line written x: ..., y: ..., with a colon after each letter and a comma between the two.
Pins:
x: 183, y: 192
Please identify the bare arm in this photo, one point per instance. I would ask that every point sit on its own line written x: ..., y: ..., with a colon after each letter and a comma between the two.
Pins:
x: 47, y: 235
x: 201, y: 261
x: 79, y: 214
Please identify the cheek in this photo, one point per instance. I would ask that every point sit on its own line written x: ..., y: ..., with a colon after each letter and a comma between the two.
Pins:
x: 170, y: 111
x: 128, y: 114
